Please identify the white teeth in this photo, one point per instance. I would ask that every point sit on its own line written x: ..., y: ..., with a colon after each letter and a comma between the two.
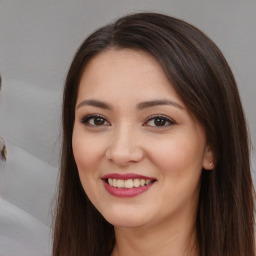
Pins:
x: 120, y: 183
x: 130, y: 183
x: 136, y: 183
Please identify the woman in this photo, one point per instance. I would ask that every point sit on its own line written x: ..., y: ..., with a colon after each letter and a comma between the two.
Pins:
x: 155, y: 156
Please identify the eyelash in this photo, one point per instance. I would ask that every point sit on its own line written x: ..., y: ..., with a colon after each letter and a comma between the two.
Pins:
x: 85, y: 120
x: 161, y: 117
x: 88, y: 118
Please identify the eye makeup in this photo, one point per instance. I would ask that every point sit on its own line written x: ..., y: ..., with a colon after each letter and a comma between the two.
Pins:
x: 95, y: 120
x: 159, y: 120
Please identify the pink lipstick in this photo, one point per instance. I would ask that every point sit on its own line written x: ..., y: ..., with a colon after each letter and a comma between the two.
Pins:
x: 127, y: 185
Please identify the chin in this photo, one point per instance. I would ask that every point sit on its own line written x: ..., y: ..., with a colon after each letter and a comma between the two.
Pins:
x: 121, y: 223
x: 126, y: 220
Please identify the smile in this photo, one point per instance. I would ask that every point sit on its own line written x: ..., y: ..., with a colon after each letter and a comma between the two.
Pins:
x: 127, y: 185
x: 130, y: 183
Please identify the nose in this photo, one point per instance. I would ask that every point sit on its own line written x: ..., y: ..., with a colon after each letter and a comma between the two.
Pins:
x: 125, y: 147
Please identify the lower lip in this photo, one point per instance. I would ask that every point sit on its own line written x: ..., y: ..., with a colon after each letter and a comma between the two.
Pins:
x: 126, y: 192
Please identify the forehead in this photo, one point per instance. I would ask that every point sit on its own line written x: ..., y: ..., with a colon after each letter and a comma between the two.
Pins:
x: 126, y: 72
x: 122, y: 62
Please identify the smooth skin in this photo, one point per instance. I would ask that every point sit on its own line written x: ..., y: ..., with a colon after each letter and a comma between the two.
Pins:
x: 157, y: 139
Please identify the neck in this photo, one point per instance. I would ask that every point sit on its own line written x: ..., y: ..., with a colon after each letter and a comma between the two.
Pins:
x: 171, y: 238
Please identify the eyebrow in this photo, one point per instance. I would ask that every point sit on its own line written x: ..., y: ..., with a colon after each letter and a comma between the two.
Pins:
x: 140, y: 106
x: 94, y: 103
x: 153, y: 103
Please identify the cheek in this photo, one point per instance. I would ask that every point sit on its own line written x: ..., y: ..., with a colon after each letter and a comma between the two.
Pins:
x: 87, y: 154
x: 179, y: 162
x: 179, y: 155
x: 86, y: 149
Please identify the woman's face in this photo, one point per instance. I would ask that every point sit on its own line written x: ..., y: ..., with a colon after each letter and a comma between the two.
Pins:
x: 138, y: 152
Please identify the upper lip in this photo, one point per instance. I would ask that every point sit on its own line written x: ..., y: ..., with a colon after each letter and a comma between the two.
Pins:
x: 126, y: 176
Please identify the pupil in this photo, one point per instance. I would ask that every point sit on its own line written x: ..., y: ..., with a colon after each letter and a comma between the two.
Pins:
x: 99, y: 121
x: 159, y: 122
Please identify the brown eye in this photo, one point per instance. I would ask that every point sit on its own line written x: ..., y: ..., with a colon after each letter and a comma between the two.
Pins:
x: 98, y: 121
x: 95, y: 120
x: 159, y: 121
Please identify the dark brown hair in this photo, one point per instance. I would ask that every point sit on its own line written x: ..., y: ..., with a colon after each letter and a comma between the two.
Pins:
x: 203, y: 80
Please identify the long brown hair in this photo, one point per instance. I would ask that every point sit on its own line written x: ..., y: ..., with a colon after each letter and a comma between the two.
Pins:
x: 203, y: 80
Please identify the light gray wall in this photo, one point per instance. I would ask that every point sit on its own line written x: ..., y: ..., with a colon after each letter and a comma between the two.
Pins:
x: 37, y: 41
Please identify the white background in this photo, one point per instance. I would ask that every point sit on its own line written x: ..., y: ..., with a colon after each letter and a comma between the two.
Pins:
x: 38, y: 39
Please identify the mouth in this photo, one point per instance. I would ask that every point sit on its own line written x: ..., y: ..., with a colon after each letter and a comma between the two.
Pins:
x: 127, y: 185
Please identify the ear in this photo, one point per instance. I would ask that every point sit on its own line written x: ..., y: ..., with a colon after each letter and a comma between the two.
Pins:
x: 208, y: 161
